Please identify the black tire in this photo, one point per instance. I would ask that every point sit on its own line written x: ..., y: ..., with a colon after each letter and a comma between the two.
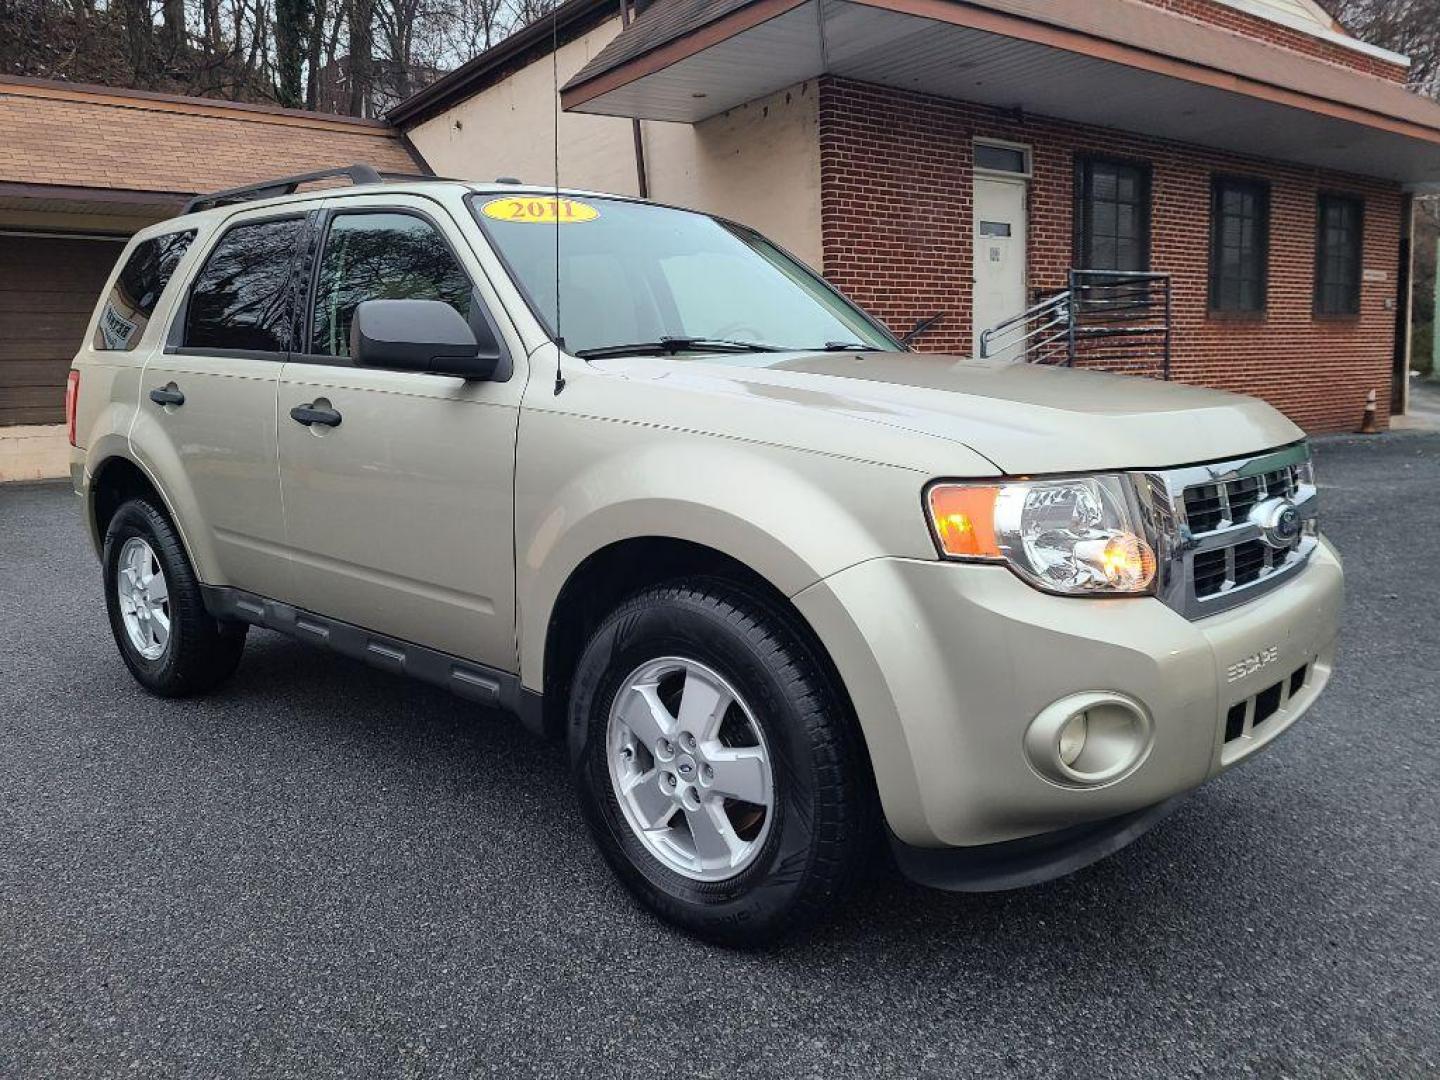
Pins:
x: 823, y: 828
x: 201, y: 652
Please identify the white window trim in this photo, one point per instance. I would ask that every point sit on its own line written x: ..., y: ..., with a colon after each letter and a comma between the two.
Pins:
x: 1314, y: 29
x: 1005, y: 144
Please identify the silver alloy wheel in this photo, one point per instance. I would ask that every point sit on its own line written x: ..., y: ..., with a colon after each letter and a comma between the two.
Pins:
x: 144, y: 598
x: 690, y: 768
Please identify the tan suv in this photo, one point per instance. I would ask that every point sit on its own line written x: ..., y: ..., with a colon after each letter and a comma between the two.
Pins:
x: 637, y: 476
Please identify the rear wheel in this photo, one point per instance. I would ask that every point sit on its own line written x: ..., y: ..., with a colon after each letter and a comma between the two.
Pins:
x: 716, y: 765
x: 167, y: 639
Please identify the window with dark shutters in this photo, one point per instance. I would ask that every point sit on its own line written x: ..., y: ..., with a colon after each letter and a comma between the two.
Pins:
x: 1338, y: 231
x: 1239, y: 244
x: 1112, y: 215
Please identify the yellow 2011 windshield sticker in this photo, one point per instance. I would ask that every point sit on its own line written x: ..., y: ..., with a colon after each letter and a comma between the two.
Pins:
x: 538, y: 209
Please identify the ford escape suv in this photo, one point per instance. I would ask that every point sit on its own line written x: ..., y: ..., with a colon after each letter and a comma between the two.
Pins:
x: 780, y: 585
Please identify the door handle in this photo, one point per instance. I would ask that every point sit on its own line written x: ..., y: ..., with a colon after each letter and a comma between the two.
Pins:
x: 167, y: 395
x: 307, y: 414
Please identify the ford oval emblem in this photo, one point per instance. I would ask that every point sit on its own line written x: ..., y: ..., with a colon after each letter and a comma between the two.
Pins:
x: 1287, y: 523
x: 1278, y: 521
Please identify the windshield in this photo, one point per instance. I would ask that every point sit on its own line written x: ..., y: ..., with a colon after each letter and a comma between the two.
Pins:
x: 669, y: 280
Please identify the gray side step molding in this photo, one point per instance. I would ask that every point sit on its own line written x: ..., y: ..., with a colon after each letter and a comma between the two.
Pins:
x: 475, y: 682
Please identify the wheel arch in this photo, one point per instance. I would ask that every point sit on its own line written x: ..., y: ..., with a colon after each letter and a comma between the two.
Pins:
x: 624, y: 567
x: 113, y: 481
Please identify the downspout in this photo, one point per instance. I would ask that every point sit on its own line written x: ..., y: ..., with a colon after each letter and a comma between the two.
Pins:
x: 1405, y: 306
x: 640, y: 177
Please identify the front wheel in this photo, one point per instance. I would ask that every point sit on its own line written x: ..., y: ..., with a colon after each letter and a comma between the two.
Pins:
x: 716, y: 765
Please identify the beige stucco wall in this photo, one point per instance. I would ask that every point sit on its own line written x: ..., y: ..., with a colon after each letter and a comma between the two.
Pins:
x: 758, y: 164
x: 34, y: 452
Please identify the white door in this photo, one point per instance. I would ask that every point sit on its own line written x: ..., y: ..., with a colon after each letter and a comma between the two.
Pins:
x: 999, y: 258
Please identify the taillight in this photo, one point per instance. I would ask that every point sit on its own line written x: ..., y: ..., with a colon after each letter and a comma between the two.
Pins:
x: 72, y: 401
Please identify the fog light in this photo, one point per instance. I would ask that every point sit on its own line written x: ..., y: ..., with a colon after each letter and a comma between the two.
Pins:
x: 1072, y: 739
x: 1089, y: 739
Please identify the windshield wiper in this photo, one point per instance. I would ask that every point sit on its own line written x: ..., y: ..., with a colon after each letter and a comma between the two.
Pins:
x: 847, y: 346
x: 669, y: 346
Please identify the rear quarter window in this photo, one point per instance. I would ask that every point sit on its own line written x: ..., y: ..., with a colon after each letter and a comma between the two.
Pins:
x: 132, y: 299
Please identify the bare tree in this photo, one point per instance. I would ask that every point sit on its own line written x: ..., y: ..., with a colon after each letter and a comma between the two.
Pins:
x: 357, y: 56
x: 361, y: 40
x: 314, y: 43
x: 1409, y: 27
x: 139, y: 50
x: 294, y: 30
x: 449, y: 32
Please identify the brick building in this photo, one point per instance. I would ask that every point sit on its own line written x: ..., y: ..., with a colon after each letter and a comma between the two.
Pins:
x: 965, y: 156
x: 81, y: 169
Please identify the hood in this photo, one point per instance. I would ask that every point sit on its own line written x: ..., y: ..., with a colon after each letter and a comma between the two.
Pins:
x: 1023, y: 418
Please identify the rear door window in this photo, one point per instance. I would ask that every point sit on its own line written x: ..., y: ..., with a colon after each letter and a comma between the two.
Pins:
x: 381, y: 255
x: 244, y: 298
x: 137, y: 290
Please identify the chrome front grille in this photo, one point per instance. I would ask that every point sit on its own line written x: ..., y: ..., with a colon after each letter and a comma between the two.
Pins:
x: 1211, y: 506
x: 1222, y: 539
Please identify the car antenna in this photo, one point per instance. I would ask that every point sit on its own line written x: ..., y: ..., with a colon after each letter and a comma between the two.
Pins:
x: 924, y: 326
x: 555, y: 78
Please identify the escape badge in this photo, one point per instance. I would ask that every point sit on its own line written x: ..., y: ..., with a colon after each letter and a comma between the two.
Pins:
x: 1252, y: 663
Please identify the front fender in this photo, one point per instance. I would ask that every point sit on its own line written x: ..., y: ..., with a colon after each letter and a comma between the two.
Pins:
x: 791, y: 516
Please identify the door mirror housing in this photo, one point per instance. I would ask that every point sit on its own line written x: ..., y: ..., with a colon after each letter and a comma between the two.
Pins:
x: 422, y: 335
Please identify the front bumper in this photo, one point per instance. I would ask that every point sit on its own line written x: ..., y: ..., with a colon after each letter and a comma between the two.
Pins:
x: 947, y: 664
x: 1030, y: 860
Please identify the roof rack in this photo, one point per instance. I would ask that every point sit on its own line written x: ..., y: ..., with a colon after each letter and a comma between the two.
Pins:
x: 285, y: 185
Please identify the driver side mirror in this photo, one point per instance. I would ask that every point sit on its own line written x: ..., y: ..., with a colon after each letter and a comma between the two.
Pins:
x: 422, y: 335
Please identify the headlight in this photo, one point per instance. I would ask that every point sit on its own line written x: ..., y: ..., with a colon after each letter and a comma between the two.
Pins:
x: 1078, y: 536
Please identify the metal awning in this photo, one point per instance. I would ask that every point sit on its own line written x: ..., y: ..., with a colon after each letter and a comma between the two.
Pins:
x: 1110, y: 63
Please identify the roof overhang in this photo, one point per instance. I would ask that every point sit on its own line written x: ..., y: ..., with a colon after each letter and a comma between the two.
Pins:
x: 143, y: 206
x: 1111, y: 63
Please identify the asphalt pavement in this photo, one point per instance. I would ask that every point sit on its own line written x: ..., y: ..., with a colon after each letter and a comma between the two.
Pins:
x: 324, y: 871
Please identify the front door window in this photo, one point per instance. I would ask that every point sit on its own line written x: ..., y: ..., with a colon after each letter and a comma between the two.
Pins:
x: 380, y: 256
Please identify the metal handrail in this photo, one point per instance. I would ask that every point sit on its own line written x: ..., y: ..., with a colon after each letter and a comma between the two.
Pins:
x: 1031, y: 328
x: 1117, y: 319
x: 1122, y: 320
